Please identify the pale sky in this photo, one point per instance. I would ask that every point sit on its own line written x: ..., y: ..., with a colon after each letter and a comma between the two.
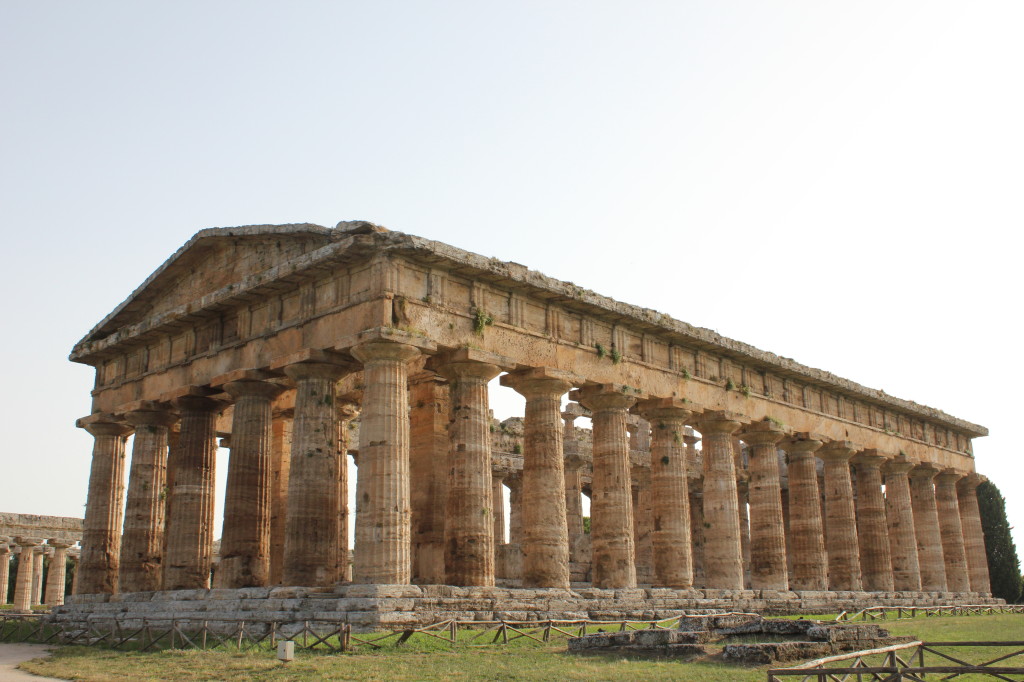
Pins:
x: 835, y: 182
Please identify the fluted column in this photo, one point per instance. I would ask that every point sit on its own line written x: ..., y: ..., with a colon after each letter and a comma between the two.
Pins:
x: 101, y: 533
x: 695, y: 486
x: 767, y: 525
x: 23, y: 581
x: 57, y: 575
x: 546, y: 540
x: 573, y: 481
x: 611, y: 502
x: 926, y: 526
x: 810, y: 563
x: 429, y: 445
x: 841, y: 519
x: 37, y: 575
x: 498, y: 502
x: 347, y: 411
x: 143, y: 539
x: 311, y: 528
x: 280, y: 463
x: 469, y: 523
x: 872, y: 533
x: 673, y: 560
x: 899, y: 514
x: 5, y: 568
x: 192, y: 468
x: 383, y: 513
x: 723, y: 550
x: 245, y: 540
x: 514, y: 481
x: 974, y: 536
x: 953, y: 552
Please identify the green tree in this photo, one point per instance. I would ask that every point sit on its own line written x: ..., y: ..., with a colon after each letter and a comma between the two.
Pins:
x: 1003, y: 563
x: 586, y: 524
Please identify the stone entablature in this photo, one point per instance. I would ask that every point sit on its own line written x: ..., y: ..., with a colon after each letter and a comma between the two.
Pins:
x: 295, y: 296
x: 63, y: 528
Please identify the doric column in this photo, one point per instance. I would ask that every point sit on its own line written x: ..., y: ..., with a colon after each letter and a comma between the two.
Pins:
x: 311, y: 528
x: 841, y: 519
x: 573, y: 480
x: 498, y: 504
x: 191, y: 467
x: 23, y: 581
x: 953, y: 552
x: 429, y: 418
x: 643, y: 520
x: 56, y: 576
x: 974, y: 536
x: 546, y: 540
x: 383, y: 514
x: 347, y: 411
x: 695, y: 486
x: 143, y: 539
x: 37, y: 575
x: 926, y: 526
x: 673, y: 561
x: 5, y: 567
x: 872, y: 533
x: 899, y: 514
x: 514, y: 481
x: 101, y: 533
x: 810, y: 563
x: 280, y: 463
x: 611, y: 502
x: 245, y: 540
x: 723, y: 550
x: 767, y: 526
x: 469, y: 523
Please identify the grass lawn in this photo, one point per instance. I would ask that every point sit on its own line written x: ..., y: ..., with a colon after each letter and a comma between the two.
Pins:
x: 429, y: 659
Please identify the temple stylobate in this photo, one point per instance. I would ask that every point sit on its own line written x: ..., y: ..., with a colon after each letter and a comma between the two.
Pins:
x: 715, y: 471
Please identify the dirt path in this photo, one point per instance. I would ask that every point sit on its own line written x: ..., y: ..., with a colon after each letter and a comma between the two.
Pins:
x: 13, y: 654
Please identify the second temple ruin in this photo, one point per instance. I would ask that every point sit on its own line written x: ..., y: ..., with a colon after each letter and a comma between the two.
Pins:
x: 718, y: 475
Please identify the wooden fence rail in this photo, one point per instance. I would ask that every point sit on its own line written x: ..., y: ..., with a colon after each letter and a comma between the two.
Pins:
x: 905, y: 612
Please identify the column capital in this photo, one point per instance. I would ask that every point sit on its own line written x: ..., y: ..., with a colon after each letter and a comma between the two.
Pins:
x: 447, y: 363
x: 689, y: 437
x: 573, y: 411
x: 970, y: 482
x: 653, y: 409
x: 57, y: 543
x: 102, y: 424
x: 469, y: 370
x: 150, y: 417
x: 897, y: 465
x: 27, y: 542
x: 391, y: 335
x: 924, y: 470
x: 540, y: 382
x: 721, y: 421
x: 948, y: 477
x: 870, y: 459
x: 838, y: 451
x: 600, y: 397
x: 252, y: 387
x: 764, y: 432
x: 802, y: 444
x: 316, y: 370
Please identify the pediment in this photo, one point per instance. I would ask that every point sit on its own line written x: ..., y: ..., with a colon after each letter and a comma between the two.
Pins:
x: 212, y: 260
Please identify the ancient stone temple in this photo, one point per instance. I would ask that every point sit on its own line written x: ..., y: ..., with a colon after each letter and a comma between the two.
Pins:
x: 717, y: 474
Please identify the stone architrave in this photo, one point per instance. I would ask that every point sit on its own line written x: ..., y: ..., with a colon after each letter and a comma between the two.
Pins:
x: 611, y: 508
x: 5, y: 568
x: 101, y: 534
x: 872, y: 533
x: 37, y: 575
x: 311, y: 528
x: 954, y: 555
x: 673, y: 560
x: 723, y: 550
x: 974, y: 536
x: 841, y: 519
x: 899, y: 513
x: 280, y: 463
x: 383, y: 506
x: 429, y: 419
x: 245, y: 540
x: 926, y: 526
x: 23, y: 581
x: 143, y: 539
x: 469, y: 522
x: 810, y: 563
x: 56, y: 576
x: 545, y: 532
x: 767, y: 524
x: 192, y: 469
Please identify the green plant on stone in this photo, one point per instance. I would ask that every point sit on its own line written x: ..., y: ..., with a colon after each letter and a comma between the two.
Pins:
x: 616, y: 356
x: 730, y: 385
x: 481, y: 320
x: 686, y: 374
x: 745, y: 390
x: 601, y: 352
x: 517, y: 449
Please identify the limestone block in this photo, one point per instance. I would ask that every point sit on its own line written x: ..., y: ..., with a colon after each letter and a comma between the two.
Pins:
x: 384, y: 591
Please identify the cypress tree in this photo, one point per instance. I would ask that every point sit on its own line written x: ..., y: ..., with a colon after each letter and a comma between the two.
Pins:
x: 1003, y: 563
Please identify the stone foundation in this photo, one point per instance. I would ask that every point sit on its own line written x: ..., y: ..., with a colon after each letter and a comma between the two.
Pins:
x: 369, y: 607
